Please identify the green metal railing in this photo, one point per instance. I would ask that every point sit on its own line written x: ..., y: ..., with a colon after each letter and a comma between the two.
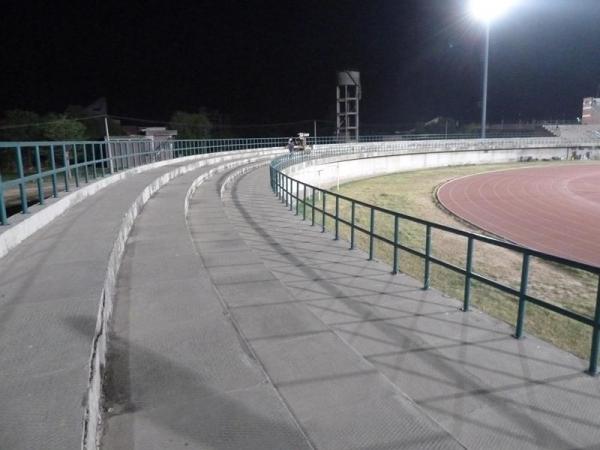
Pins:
x: 31, y: 172
x: 36, y: 171
x: 571, y: 148
x: 304, y: 196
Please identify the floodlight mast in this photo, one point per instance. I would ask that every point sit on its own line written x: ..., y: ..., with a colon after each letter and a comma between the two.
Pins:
x: 486, y: 59
x: 485, y: 11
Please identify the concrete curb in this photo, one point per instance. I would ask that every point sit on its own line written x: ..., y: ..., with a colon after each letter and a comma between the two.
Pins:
x: 238, y: 173
x: 92, y: 415
x: 198, y: 181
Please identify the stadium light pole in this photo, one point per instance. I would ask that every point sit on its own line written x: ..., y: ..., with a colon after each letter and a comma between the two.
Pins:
x: 486, y: 11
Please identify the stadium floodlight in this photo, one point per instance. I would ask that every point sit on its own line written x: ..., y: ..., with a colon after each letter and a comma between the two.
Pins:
x: 486, y: 11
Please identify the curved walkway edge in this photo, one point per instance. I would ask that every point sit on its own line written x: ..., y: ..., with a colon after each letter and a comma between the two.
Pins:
x: 92, y: 418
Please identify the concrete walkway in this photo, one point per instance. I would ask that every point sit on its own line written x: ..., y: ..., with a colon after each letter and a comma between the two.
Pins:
x: 179, y: 376
x: 242, y: 327
x: 200, y: 362
x: 50, y: 288
x: 463, y: 370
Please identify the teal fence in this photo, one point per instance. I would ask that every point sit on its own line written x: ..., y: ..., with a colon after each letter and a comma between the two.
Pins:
x: 31, y: 172
x: 311, y: 202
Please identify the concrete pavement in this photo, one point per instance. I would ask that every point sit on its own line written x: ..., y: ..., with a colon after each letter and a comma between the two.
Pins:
x: 50, y: 288
x: 207, y: 367
x: 463, y: 370
x: 242, y: 327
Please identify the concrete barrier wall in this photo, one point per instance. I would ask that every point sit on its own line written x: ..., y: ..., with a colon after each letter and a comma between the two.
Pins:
x: 328, y: 171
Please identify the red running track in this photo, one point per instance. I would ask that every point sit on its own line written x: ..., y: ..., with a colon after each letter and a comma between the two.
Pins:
x: 555, y: 210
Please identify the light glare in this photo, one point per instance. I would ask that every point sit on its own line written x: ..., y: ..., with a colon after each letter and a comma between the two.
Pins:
x: 488, y: 10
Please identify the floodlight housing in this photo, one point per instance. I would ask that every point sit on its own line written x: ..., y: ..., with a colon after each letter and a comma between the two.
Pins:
x: 488, y: 10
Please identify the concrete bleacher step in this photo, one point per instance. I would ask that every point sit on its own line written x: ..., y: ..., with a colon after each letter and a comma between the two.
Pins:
x: 50, y: 287
x: 179, y: 375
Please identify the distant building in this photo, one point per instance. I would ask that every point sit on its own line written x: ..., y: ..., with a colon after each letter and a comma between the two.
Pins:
x: 161, y: 140
x: 158, y: 133
x: 591, y: 111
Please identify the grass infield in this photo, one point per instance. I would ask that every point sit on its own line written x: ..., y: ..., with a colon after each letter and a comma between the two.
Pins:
x: 413, y: 193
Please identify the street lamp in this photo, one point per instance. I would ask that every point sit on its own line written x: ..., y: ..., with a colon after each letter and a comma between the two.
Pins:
x: 485, y: 11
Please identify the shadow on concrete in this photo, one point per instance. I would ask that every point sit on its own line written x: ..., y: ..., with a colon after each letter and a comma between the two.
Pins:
x: 523, y: 411
x: 177, y: 405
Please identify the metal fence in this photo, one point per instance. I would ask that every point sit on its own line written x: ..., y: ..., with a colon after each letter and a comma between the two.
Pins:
x: 31, y: 172
x: 311, y: 202
x: 573, y: 148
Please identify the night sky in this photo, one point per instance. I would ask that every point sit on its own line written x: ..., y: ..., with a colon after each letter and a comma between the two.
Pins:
x: 274, y: 61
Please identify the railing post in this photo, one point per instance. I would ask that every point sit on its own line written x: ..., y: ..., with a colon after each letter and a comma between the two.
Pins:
x: 522, y: 296
x: 324, y: 216
x: 352, y: 220
x: 371, y: 232
x: 102, y: 158
x: 304, y: 202
x: 53, y: 168
x: 85, y: 163
x: 469, y: 270
x: 76, y: 165
x: 337, y: 217
x: 94, y: 160
x: 593, y: 369
x: 297, y: 197
x: 426, y: 274
x: 281, y: 188
x: 39, y: 181
x: 67, y: 167
x: 22, y: 187
x: 109, y: 156
x: 3, y: 218
x: 312, y: 209
x: 396, y: 249
x: 291, y: 193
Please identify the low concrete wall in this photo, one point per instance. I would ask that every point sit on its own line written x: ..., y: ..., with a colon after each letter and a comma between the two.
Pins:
x: 328, y: 171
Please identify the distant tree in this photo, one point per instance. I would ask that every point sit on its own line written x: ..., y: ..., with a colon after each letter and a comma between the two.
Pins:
x: 191, y: 125
x: 94, y: 127
x: 20, y: 125
x: 59, y: 127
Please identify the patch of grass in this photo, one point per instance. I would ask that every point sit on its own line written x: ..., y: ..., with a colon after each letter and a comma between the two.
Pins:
x: 413, y: 193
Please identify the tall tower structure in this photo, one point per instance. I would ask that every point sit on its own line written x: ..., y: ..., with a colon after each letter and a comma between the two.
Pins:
x: 348, y: 93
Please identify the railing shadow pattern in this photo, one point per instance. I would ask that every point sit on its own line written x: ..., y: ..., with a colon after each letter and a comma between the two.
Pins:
x: 323, y: 207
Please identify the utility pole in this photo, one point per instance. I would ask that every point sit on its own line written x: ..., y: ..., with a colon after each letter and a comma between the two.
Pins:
x: 315, y: 131
x: 485, y: 80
